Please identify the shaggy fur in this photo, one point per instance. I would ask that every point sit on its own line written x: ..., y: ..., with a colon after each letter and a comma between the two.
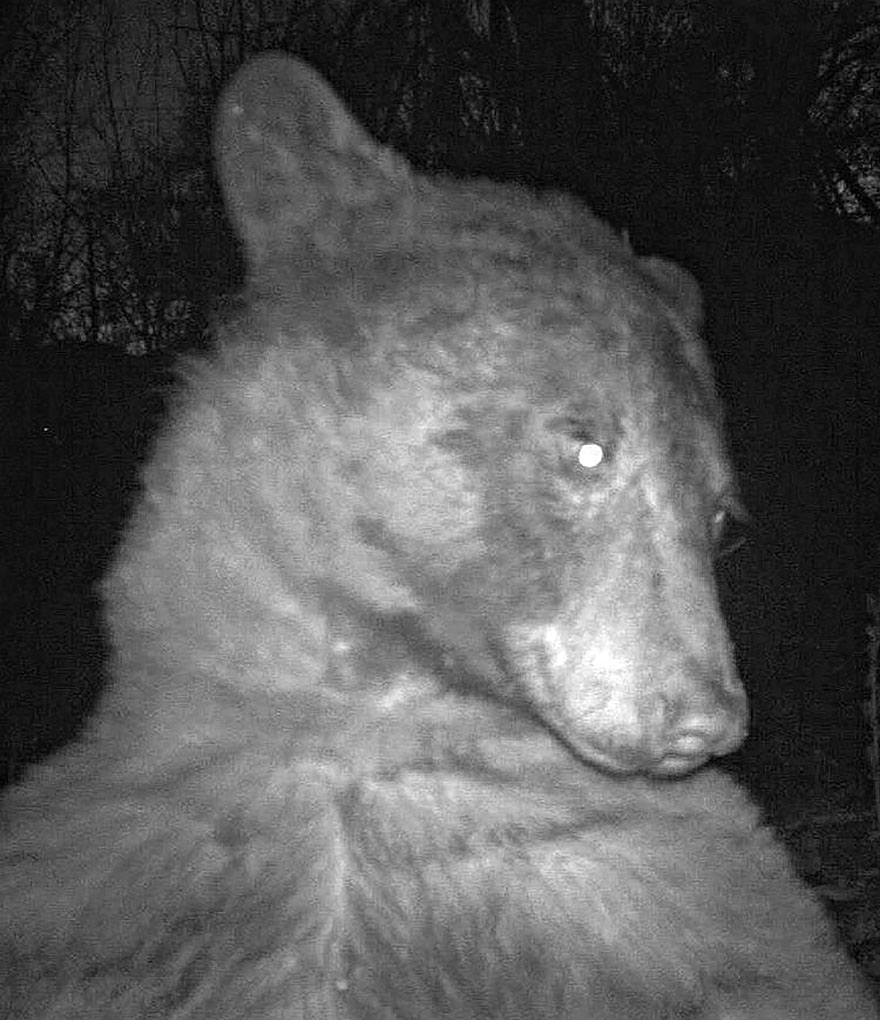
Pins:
x: 417, y: 649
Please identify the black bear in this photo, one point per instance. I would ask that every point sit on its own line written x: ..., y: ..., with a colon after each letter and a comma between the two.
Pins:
x: 417, y: 649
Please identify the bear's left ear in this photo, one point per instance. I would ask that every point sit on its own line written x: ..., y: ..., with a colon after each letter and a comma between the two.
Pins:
x: 296, y: 168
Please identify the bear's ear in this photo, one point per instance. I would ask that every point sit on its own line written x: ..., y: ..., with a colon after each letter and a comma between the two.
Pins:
x: 679, y: 288
x: 685, y: 299
x: 296, y: 168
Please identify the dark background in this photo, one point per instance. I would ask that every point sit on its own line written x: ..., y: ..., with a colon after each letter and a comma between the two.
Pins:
x: 738, y: 137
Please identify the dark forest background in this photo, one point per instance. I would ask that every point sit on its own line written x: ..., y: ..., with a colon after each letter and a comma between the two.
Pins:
x: 739, y: 137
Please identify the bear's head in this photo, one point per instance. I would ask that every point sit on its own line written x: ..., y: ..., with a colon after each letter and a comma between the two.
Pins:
x: 464, y: 439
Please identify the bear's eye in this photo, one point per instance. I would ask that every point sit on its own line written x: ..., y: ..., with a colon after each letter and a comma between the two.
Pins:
x: 590, y: 454
x: 583, y: 439
x: 589, y: 448
x: 727, y: 531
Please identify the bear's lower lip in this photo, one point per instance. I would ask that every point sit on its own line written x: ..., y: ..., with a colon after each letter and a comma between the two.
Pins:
x: 678, y: 765
x: 667, y: 766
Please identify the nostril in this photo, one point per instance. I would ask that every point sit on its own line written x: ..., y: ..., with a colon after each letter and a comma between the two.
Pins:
x: 703, y: 735
x: 690, y: 744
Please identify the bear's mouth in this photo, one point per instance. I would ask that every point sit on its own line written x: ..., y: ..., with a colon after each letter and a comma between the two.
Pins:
x: 673, y: 765
x: 626, y: 760
x: 668, y: 766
